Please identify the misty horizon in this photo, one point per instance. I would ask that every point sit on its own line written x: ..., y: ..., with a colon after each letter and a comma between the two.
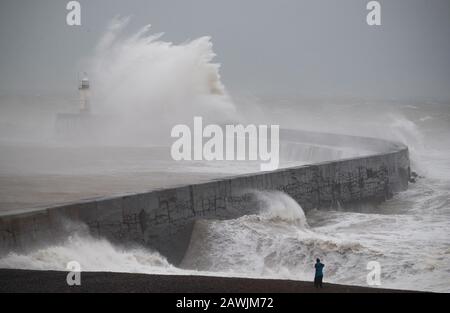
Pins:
x: 311, y: 49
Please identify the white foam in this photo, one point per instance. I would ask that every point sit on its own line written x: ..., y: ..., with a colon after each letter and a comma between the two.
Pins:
x: 410, y: 245
x: 150, y: 85
x: 278, y: 206
x: 93, y: 254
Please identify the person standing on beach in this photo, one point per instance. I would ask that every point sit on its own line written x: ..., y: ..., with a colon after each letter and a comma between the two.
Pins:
x: 319, y: 274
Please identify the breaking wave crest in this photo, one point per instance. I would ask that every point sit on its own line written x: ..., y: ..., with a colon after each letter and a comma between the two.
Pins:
x: 93, y: 254
x: 146, y: 85
x: 278, y: 242
x: 276, y: 206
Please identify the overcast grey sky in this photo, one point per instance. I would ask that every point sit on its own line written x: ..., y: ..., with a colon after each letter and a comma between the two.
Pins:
x: 266, y: 47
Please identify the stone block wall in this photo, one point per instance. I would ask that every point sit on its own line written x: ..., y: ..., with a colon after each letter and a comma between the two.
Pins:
x: 163, y: 219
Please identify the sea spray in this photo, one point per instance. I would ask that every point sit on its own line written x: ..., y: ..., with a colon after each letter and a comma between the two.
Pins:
x: 278, y: 206
x: 242, y: 246
x: 93, y: 254
x: 147, y: 85
x: 276, y: 242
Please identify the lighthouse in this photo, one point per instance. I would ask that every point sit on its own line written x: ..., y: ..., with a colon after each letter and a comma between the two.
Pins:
x: 84, y: 90
x: 80, y: 125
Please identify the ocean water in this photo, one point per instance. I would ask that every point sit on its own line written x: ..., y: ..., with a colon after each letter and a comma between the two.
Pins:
x: 409, y: 235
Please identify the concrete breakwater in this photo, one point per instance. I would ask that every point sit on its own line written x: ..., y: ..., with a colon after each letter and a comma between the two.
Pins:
x: 163, y: 219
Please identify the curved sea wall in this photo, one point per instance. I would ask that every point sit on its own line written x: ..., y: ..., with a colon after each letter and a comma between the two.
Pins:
x: 163, y: 219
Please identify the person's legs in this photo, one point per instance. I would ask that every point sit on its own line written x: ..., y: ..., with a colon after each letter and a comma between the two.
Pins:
x: 320, y: 281
x: 316, y: 282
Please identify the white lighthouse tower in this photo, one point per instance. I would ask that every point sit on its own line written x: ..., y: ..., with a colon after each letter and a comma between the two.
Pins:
x: 83, y: 124
x: 84, y: 89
